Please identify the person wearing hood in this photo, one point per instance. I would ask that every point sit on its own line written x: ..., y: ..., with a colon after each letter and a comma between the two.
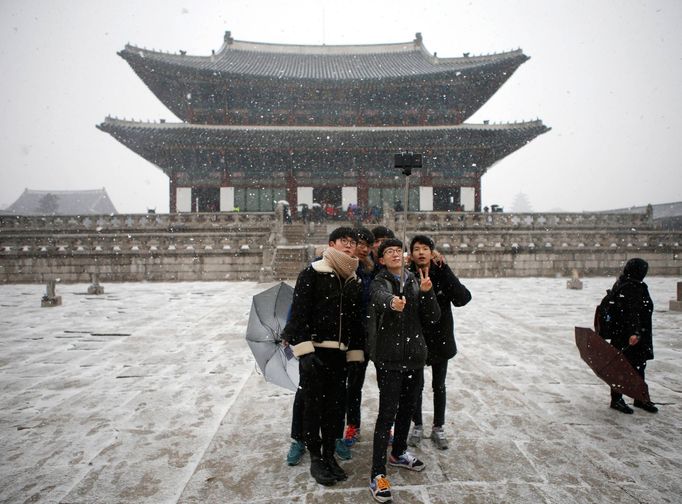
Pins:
x: 324, y: 332
x: 632, y: 335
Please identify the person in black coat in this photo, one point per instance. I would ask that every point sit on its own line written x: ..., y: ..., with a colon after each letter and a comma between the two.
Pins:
x: 324, y: 332
x: 396, y: 345
x: 440, y: 337
x: 632, y: 333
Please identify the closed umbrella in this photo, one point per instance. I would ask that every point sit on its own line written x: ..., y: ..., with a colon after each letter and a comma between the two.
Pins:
x: 610, y: 364
x: 268, y: 316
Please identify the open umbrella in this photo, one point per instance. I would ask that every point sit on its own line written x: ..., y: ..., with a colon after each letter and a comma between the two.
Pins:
x: 268, y: 316
x: 610, y: 364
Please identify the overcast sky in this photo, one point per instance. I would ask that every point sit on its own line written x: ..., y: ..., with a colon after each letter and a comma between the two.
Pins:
x: 604, y: 75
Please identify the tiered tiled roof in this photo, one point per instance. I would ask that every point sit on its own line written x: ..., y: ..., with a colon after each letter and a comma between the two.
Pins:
x: 334, y: 62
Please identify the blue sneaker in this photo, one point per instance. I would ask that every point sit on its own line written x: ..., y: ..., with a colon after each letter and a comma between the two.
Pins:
x: 342, y: 451
x: 407, y: 461
x: 296, y: 451
x: 380, y: 488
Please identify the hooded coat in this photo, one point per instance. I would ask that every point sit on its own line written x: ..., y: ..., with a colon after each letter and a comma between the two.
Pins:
x: 636, y: 308
x: 395, y: 340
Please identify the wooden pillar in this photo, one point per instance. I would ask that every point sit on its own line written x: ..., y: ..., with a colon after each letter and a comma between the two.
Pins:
x: 292, y: 193
x: 172, y: 193
x: 363, y: 189
x: 477, y: 195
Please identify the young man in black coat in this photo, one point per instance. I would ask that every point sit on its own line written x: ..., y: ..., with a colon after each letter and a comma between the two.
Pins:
x: 440, y: 337
x: 396, y: 345
x: 324, y: 332
x: 632, y: 332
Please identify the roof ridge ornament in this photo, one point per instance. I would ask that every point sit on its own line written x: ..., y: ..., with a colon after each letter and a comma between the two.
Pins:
x: 227, y: 38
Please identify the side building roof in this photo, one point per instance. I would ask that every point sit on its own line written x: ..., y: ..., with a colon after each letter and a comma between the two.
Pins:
x: 88, y: 202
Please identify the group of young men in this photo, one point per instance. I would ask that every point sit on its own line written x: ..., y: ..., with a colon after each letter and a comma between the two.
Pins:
x: 364, y: 300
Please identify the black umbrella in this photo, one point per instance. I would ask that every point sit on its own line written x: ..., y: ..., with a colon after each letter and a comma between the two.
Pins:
x: 268, y: 316
x: 610, y: 364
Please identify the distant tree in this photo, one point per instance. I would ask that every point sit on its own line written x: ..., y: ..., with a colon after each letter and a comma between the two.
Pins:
x: 521, y: 204
x: 48, y: 204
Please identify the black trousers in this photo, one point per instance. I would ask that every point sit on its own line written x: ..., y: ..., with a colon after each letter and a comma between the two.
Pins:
x: 398, y: 393
x: 297, y: 416
x: 439, y: 371
x: 356, y: 379
x: 324, y: 393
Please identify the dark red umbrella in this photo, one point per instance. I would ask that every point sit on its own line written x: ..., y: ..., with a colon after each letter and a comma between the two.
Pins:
x: 609, y: 364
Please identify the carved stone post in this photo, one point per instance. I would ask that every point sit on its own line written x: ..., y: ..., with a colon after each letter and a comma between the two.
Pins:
x: 676, y: 305
x: 50, y: 298
x: 574, y: 282
x: 95, y: 288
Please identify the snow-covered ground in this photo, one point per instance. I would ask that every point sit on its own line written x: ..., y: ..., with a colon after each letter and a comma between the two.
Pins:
x: 149, y: 394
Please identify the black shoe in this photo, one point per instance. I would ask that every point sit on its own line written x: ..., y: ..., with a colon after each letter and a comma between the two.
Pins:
x: 622, y: 407
x: 335, y: 469
x: 319, y: 470
x: 646, y: 406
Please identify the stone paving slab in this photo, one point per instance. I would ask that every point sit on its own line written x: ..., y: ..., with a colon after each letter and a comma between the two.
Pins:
x: 149, y: 394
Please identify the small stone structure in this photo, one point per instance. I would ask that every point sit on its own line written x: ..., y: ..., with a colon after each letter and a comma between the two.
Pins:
x: 574, y: 282
x: 95, y: 288
x: 676, y: 305
x: 50, y: 298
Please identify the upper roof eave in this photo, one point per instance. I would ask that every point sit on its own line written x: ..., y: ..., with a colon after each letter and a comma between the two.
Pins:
x: 264, y: 57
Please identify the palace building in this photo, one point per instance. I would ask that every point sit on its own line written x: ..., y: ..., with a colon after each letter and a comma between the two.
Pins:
x: 320, y: 124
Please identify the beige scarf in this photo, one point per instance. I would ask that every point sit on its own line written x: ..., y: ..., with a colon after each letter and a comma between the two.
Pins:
x: 343, y: 264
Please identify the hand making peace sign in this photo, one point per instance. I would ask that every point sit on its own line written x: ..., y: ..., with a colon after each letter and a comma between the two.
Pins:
x: 425, y: 283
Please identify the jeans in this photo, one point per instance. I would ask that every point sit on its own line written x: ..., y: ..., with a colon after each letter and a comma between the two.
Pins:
x: 439, y: 371
x: 398, y: 393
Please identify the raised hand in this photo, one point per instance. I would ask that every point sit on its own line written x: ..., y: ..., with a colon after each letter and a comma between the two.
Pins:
x: 425, y: 284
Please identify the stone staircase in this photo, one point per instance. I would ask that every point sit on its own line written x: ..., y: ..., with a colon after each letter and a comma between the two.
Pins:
x: 288, y: 261
x: 294, y: 234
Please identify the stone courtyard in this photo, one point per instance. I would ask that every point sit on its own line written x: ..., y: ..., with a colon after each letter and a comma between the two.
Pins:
x: 148, y: 393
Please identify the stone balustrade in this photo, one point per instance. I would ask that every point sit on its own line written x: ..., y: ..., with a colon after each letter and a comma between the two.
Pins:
x: 241, y: 246
x: 435, y: 221
x: 179, y: 222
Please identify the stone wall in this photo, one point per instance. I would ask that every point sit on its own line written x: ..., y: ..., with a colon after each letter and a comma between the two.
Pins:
x: 239, y: 246
x: 222, y: 246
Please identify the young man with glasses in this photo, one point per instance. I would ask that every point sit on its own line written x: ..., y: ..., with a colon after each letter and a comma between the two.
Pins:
x: 397, y: 347
x: 324, y: 332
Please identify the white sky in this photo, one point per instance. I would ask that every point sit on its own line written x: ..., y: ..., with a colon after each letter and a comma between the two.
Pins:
x: 604, y: 75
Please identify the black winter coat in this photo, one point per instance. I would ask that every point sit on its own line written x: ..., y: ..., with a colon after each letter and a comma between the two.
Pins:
x: 395, y: 340
x: 325, y: 311
x: 440, y: 337
x: 636, y: 308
